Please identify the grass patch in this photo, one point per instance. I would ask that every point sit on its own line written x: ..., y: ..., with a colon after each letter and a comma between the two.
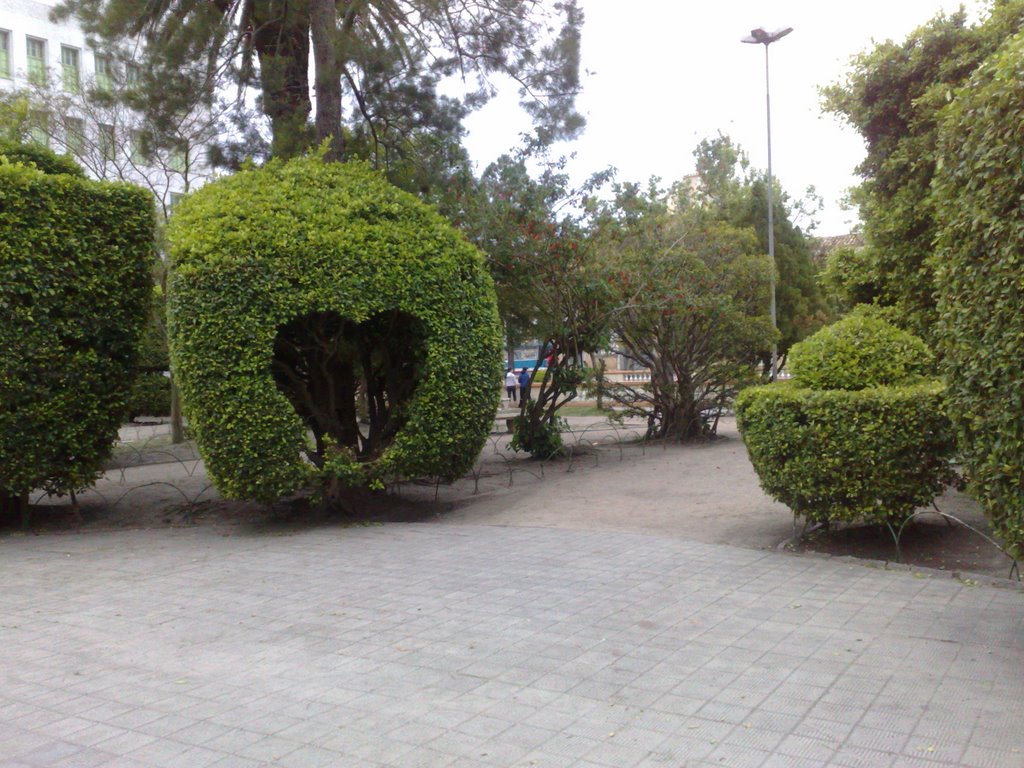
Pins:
x: 585, y: 410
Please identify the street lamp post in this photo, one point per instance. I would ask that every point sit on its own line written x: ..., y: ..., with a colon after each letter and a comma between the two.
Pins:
x: 761, y: 37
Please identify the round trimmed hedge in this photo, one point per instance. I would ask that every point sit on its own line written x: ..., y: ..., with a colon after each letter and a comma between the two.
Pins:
x: 873, y: 450
x: 861, y: 350
x: 839, y: 455
x: 308, y: 298
x: 979, y: 183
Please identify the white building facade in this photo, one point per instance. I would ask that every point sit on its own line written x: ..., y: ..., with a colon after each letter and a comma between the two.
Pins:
x: 53, y: 63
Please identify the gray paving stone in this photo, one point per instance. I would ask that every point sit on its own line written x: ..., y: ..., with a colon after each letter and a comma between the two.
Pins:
x: 199, y: 757
x: 807, y: 748
x: 427, y: 645
x: 51, y: 753
x: 740, y: 757
x: 748, y: 736
x: 860, y: 757
x: 978, y: 757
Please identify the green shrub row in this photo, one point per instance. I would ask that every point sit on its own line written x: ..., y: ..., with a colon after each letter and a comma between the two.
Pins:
x: 74, y: 283
x: 42, y: 158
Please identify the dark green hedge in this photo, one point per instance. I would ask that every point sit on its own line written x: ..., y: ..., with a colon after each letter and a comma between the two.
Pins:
x: 150, y: 396
x: 874, y: 455
x: 43, y: 158
x: 75, y: 257
x: 151, y: 391
x: 259, y: 254
x: 980, y: 277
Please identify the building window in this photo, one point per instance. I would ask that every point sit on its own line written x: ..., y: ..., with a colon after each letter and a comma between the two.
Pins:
x: 39, y: 128
x: 139, y: 147
x: 131, y: 75
x: 107, y: 139
x: 104, y: 72
x: 5, y: 53
x: 36, y: 50
x: 175, y: 199
x: 69, y: 62
x: 74, y: 135
x: 178, y: 160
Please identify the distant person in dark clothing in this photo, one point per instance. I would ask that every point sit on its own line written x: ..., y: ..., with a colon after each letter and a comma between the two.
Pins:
x: 524, y: 385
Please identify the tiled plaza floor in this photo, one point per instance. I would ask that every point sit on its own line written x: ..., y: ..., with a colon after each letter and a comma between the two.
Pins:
x: 435, y: 645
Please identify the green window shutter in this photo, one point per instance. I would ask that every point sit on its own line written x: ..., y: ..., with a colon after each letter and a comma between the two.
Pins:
x: 74, y: 135
x: 69, y: 61
x: 39, y: 132
x: 104, y: 73
x: 5, y: 53
x: 178, y: 160
x: 107, y: 141
x: 36, y: 60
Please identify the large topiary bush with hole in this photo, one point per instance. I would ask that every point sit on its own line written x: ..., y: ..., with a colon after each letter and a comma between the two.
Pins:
x: 858, y: 434
x: 979, y: 186
x: 74, y: 285
x: 328, y: 330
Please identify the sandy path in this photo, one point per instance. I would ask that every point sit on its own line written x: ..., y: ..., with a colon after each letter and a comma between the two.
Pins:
x: 706, y: 492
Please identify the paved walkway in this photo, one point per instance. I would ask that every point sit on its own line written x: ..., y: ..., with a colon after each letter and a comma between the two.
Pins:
x: 437, y: 645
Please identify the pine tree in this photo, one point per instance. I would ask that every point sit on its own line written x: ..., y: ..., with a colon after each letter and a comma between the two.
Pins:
x: 378, y: 64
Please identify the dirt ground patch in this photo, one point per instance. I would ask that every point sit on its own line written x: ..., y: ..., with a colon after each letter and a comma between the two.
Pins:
x: 706, y: 492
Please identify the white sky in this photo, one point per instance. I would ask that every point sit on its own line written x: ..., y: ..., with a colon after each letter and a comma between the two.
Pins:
x: 665, y: 74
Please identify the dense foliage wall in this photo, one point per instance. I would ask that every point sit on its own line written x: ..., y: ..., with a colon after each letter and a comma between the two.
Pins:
x: 979, y: 187
x: 893, y: 95
x: 74, y: 285
x: 327, y: 329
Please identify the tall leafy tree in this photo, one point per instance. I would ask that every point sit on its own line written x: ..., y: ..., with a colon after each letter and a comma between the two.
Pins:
x: 732, y: 191
x: 690, y: 292
x: 893, y: 95
x: 377, y: 64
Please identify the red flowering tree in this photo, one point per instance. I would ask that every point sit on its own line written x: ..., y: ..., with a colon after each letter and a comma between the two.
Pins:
x: 533, y: 233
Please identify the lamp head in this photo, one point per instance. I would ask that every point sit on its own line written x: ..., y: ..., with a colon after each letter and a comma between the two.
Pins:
x: 760, y: 35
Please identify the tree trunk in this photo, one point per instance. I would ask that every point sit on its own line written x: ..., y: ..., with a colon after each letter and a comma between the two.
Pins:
x: 327, y: 74
x: 177, y: 423
x: 15, y: 505
x: 681, y: 421
x: 281, y: 41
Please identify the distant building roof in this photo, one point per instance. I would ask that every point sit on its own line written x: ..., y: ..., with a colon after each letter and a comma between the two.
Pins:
x: 821, y: 247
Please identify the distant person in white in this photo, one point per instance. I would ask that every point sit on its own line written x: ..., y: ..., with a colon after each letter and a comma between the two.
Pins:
x: 510, y: 384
